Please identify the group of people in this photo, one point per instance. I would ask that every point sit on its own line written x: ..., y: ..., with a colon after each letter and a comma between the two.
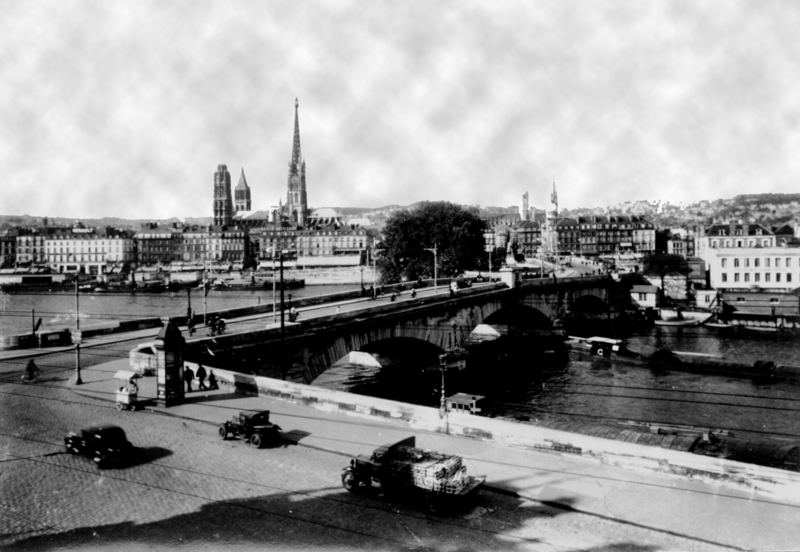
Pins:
x: 189, y: 375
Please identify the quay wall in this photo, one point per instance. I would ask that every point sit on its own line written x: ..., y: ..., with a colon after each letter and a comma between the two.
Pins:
x: 779, y: 484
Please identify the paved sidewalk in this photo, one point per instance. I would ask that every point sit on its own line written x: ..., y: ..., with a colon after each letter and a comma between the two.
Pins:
x: 710, y: 514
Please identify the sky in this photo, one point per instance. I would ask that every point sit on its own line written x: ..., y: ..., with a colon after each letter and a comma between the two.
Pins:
x: 125, y: 109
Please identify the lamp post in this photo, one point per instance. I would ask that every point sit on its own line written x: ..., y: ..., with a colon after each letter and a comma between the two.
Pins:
x: 205, y: 281
x: 274, y: 305
x: 76, y: 337
x: 282, y: 350
x: 435, y: 250
x: 374, y: 272
x: 443, y: 396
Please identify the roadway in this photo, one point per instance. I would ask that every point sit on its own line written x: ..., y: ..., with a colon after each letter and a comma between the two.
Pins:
x: 187, y: 488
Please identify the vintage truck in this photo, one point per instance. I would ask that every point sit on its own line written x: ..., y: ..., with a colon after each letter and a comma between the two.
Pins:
x: 433, y: 478
x: 253, y: 427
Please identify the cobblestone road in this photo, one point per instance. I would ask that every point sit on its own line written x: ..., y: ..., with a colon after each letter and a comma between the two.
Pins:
x: 190, y: 489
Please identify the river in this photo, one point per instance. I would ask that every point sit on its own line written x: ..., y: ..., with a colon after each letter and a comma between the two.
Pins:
x: 609, y: 394
x: 20, y: 311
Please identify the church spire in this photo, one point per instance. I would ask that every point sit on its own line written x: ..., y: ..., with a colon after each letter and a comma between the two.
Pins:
x: 296, y: 197
x: 297, y: 158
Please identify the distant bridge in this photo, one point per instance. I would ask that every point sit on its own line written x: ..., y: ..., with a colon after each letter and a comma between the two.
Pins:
x: 306, y: 350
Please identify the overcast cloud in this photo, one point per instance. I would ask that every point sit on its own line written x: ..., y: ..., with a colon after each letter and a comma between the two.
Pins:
x: 125, y: 108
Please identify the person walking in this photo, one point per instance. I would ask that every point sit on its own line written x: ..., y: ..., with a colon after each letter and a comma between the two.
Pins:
x: 188, y: 376
x: 212, y: 380
x: 201, y: 377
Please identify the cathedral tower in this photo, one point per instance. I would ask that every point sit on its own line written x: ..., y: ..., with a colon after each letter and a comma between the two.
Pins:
x: 241, y: 195
x: 296, y: 200
x: 223, y: 206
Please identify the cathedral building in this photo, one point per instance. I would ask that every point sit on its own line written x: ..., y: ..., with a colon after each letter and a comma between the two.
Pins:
x: 241, y: 195
x: 289, y: 228
x: 223, y: 205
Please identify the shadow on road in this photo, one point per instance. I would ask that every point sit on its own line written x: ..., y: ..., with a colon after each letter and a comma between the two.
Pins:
x: 326, y: 518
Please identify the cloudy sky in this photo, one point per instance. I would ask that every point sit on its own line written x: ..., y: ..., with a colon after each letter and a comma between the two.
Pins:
x: 123, y: 108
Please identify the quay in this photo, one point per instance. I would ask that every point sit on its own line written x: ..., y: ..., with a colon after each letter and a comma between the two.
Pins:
x: 633, y: 492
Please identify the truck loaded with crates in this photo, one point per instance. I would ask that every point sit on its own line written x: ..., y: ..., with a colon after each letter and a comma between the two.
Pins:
x: 403, y: 469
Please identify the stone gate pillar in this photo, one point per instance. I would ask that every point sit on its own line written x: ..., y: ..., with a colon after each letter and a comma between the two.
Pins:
x: 169, y: 347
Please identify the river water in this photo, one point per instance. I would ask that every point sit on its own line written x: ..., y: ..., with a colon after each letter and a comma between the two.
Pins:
x: 19, y: 311
x: 610, y: 394
x: 536, y: 389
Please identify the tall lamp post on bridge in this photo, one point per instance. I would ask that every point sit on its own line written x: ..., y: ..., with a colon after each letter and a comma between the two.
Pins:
x: 435, y: 252
x: 374, y: 272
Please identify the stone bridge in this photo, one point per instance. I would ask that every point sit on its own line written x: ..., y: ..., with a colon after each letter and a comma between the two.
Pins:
x: 306, y: 350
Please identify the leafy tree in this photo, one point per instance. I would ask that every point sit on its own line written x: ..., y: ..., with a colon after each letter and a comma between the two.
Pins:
x: 665, y: 264
x: 456, y: 233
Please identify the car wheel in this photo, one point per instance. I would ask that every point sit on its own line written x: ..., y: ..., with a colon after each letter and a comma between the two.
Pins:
x: 350, y: 481
x: 223, y: 432
x: 255, y: 440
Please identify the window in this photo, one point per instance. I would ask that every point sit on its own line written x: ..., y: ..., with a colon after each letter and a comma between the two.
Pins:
x: 741, y: 300
x: 788, y: 277
x: 766, y: 262
x: 756, y: 262
x: 746, y: 276
x: 757, y: 277
x: 724, y: 263
x: 767, y: 277
x: 736, y: 263
x: 747, y: 262
x: 724, y: 276
x: 777, y: 276
x: 735, y: 276
x: 788, y: 262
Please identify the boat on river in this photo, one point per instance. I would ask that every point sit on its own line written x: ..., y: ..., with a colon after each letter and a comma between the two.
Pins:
x: 617, y: 351
x: 680, y: 317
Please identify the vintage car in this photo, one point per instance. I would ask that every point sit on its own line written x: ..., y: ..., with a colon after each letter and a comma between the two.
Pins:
x: 106, y: 445
x: 253, y: 427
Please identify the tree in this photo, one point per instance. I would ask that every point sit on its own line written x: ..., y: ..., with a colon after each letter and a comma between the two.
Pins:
x: 665, y: 264
x: 456, y: 233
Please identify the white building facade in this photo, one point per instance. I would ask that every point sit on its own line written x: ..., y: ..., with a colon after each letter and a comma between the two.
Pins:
x: 747, y: 257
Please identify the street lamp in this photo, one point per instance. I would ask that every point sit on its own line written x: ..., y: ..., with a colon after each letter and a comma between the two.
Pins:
x: 76, y: 336
x: 374, y: 272
x: 274, y: 310
x: 443, y: 397
x: 434, y: 250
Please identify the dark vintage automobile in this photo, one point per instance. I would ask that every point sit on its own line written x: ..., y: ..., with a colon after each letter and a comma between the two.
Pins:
x: 106, y: 445
x: 253, y: 427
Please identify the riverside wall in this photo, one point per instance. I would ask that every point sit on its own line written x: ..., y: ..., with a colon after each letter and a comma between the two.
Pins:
x: 776, y: 483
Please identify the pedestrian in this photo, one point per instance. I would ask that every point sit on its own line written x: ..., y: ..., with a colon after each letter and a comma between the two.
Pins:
x: 212, y: 380
x: 201, y: 377
x: 188, y: 376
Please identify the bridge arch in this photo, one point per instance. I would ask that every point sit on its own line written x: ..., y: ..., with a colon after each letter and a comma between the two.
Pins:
x: 589, y: 305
